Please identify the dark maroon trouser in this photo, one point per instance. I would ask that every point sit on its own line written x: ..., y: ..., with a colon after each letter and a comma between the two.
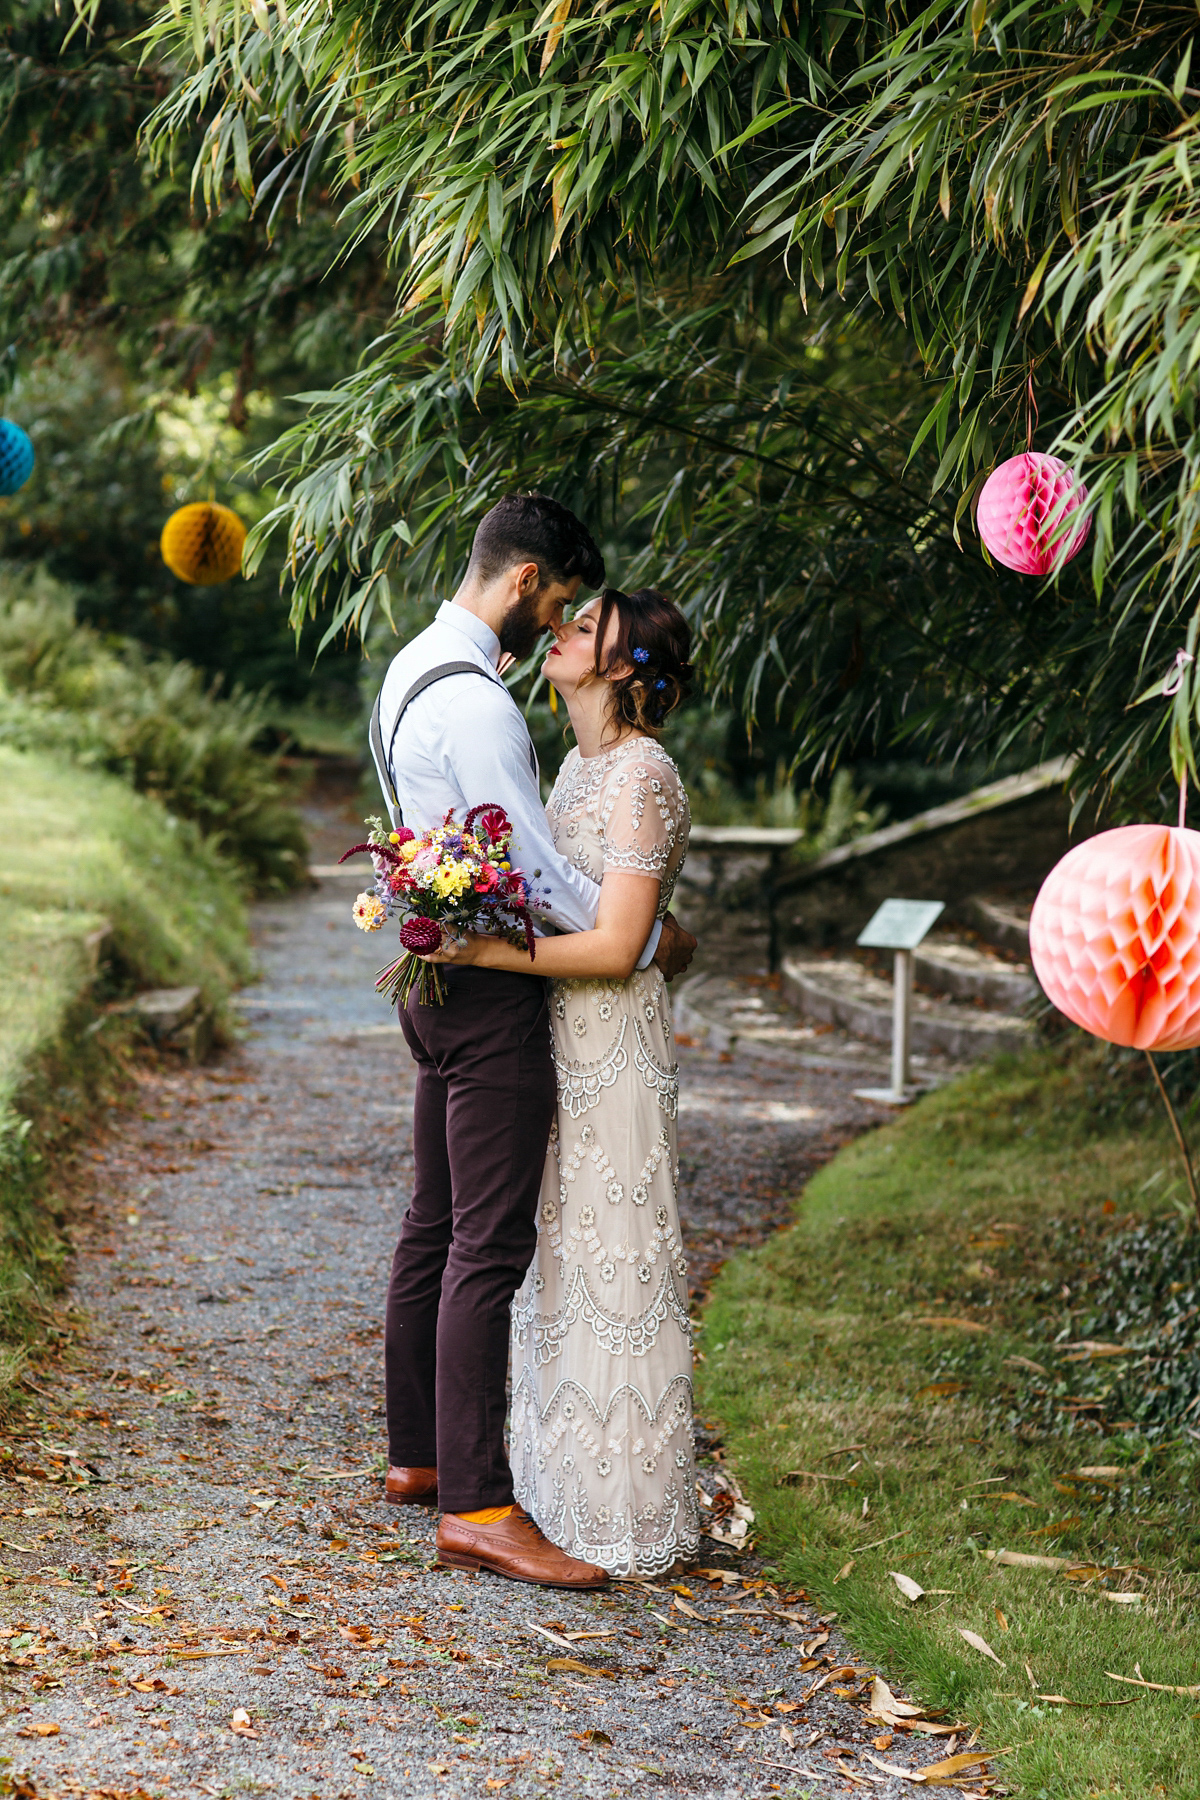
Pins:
x: 481, y: 1121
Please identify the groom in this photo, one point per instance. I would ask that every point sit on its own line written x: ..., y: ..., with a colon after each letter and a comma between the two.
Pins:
x: 447, y: 733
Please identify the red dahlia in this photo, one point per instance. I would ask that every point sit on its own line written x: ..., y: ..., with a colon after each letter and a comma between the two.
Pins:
x: 421, y: 935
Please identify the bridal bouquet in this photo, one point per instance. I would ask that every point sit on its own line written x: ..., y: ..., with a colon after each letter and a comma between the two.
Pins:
x: 454, y: 878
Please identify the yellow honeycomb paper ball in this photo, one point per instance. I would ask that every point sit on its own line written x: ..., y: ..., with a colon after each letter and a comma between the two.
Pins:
x: 202, y: 543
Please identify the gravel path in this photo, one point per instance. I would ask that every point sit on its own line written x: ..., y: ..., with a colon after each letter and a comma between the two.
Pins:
x: 190, y: 1510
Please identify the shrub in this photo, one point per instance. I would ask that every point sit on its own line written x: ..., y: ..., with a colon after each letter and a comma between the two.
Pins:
x: 108, y: 704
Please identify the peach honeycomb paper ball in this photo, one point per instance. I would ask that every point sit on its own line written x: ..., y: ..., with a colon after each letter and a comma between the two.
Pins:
x: 202, y: 543
x: 1115, y: 936
x: 1022, y: 505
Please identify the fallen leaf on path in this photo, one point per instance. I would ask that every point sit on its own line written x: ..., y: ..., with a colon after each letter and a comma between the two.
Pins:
x: 934, y: 1773
x: 981, y: 1644
x: 883, y: 1741
x: 240, y: 1723
x: 497, y: 1781
x: 844, y: 1571
x: 361, y: 1636
x: 912, y: 1590
x: 568, y: 1665
x: 592, y: 1737
x: 886, y: 1706
x: 954, y: 1765
x: 556, y: 1637
x: 1001, y: 1621
x: 852, y: 1774
x: 43, y: 1729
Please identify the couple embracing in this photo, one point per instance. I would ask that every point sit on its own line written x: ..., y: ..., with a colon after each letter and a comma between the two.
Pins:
x: 544, y: 1118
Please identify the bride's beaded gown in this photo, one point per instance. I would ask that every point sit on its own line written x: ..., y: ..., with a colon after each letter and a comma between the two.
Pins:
x: 601, y: 1438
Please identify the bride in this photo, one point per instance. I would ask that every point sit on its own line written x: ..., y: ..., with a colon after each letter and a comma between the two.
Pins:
x: 601, y: 1430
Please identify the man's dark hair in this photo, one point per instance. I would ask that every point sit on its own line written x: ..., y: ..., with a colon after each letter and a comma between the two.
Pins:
x: 535, y: 528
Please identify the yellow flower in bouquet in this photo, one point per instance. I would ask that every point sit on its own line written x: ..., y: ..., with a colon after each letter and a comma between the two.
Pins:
x: 451, y: 880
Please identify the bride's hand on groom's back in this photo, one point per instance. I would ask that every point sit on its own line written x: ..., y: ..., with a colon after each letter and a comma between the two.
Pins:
x: 676, y: 947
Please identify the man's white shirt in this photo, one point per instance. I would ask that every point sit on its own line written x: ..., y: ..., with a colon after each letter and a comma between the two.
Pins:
x: 462, y: 742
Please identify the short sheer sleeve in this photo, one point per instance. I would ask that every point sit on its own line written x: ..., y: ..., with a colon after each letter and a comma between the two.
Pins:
x: 644, y: 814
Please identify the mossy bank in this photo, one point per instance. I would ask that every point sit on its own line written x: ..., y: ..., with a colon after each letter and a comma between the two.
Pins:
x: 101, y: 891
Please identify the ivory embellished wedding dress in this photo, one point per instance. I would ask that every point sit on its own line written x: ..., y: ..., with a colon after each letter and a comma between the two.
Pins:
x: 601, y: 1424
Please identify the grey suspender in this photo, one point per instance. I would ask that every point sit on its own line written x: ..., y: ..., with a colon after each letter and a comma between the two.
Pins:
x: 383, y: 759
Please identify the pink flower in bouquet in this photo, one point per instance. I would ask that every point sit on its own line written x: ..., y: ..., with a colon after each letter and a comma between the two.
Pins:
x: 494, y: 823
x: 488, y: 879
x: 422, y: 936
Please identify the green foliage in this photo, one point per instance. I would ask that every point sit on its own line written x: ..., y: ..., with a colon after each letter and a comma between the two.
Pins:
x: 147, y: 351
x: 159, y: 724
x: 1019, y: 1199
x: 603, y: 228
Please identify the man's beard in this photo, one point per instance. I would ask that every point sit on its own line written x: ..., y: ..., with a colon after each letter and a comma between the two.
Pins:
x: 521, y: 628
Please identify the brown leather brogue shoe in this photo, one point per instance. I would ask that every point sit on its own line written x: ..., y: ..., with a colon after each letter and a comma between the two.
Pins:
x: 514, y: 1547
x: 410, y: 1487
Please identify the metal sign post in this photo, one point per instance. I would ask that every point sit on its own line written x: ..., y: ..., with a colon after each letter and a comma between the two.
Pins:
x: 899, y: 925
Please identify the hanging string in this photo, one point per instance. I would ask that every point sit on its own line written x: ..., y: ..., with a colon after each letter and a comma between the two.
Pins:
x: 1031, y: 408
x: 1183, y: 800
x: 1178, y: 1130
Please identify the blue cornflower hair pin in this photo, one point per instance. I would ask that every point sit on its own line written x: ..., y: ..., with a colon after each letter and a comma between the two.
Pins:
x: 660, y: 684
x: 640, y: 655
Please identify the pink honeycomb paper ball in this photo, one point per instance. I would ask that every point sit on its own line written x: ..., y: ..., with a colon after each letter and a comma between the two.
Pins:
x: 1115, y: 936
x: 1022, y: 505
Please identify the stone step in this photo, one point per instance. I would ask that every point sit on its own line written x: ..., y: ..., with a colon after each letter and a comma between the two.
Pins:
x: 1001, y: 919
x: 841, y: 991
x: 966, y: 971
x: 750, y: 1016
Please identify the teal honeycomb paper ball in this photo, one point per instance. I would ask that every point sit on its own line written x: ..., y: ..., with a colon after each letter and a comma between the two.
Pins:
x: 16, y: 457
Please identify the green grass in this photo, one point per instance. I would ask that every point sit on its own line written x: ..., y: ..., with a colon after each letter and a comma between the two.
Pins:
x: 1011, y: 1200
x: 80, y: 851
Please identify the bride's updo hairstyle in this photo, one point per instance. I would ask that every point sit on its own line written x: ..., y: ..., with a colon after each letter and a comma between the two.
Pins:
x: 649, y: 635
